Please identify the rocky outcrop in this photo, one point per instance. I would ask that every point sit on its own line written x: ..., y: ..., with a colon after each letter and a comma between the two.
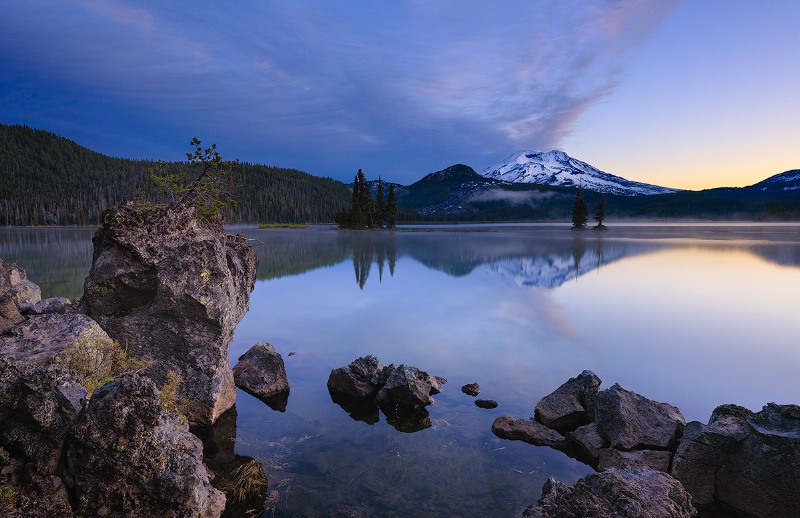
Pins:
x: 402, y: 393
x: 173, y: 287
x: 634, y: 493
x: 128, y: 453
x: 610, y: 428
x: 261, y: 373
x: 742, y: 462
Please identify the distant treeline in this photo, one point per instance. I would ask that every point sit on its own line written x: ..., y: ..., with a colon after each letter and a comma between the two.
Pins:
x: 50, y: 180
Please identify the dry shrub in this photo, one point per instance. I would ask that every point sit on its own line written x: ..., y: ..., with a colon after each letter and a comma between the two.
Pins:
x: 246, y: 481
x: 168, y: 398
x: 98, y: 360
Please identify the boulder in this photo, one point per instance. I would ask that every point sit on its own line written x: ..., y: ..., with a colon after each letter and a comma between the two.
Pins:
x: 570, y: 405
x: 634, y: 493
x: 744, y: 463
x: 407, y: 387
x: 173, y: 286
x: 471, y: 389
x: 705, y: 448
x: 128, y: 453
x: 528, y: 430
x: 363, y: 378
x: 486, y: 403
x: 15, y: 285
x: 261, y: 372
x: 627, y: 420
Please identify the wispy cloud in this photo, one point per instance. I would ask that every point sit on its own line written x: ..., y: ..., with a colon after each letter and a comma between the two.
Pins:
x: 401, y: 89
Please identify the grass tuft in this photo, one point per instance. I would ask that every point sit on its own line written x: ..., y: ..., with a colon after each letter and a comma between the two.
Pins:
x: 246, y: 481
x: 98, y: 360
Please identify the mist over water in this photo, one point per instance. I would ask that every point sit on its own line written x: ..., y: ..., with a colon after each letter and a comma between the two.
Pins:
x: 693, y: 315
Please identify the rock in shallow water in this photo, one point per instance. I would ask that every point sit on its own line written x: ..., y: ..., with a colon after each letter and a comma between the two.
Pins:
x: 261, y: 372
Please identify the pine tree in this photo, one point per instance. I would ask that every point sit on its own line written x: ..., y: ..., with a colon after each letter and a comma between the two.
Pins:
x: 365, y: 200
x: 380, y: 206
x: 580, y: 211
x: 357, y: 219
x: 600, y: 212
x: 391, y: 208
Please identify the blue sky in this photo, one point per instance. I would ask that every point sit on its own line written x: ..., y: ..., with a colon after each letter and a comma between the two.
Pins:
x: 684, y: 94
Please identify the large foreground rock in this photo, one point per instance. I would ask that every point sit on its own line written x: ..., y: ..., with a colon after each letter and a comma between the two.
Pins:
x: 128, y: 456
x: 744, y: 463
x: 173, y: 287
x: 634, y: 493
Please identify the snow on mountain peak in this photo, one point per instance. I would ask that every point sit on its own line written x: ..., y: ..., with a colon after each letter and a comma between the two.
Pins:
x: 558, y: 168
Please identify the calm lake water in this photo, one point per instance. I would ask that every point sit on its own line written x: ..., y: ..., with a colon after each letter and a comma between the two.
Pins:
x: 693, y: 315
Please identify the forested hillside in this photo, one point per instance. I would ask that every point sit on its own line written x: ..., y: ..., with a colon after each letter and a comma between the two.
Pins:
x: 50, y: 180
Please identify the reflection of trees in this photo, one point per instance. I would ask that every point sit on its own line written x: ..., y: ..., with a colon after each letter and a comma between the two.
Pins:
x: 57, y: 259
x: 373, y: 247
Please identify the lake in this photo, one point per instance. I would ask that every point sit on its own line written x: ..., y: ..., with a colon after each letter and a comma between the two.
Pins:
x: 695, y: 315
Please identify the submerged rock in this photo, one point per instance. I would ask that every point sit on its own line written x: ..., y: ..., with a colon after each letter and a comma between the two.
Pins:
x: 261, y: 372
x: 471, y: 389
x: 634, y: 493
x: 173, y: 286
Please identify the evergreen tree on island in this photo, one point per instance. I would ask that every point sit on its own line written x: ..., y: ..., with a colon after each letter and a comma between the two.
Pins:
x: 600, y: 213
x: 366, y: 213
x: 580, y: 211
x: 391, y: 208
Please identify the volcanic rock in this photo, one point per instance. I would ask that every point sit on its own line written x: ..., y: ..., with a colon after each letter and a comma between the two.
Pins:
x: 172, y: 286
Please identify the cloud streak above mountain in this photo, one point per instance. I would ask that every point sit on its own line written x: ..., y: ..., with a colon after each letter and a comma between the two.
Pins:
x: 399, y: 89
x: 402, y: 88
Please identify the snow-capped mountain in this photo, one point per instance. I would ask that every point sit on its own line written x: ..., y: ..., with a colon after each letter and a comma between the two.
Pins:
x: 786, y: 181
x: 558, y: 168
